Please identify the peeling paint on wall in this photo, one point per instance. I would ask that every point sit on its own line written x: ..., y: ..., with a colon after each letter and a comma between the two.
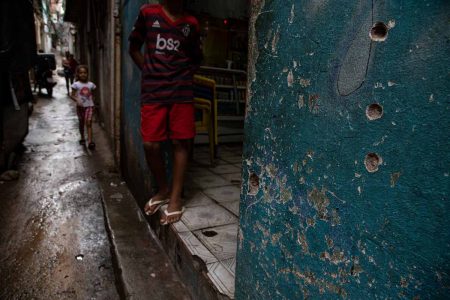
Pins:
x: 253, y: 50
x: 320, y: 202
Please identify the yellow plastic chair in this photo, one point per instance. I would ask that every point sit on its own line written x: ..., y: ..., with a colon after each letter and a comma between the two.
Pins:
x: 205, y: 100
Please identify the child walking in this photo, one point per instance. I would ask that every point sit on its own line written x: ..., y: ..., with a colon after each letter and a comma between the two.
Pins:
x: 82, y: 95
x: 172, y: 55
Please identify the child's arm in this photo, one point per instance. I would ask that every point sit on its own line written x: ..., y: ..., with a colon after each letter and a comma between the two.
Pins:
x: 93, y: 89
x: 73, y: 96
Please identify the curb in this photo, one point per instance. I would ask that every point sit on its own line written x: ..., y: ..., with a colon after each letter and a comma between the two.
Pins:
x: 142, y: 267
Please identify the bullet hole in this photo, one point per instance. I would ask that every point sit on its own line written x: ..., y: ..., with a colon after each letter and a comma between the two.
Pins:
x: 374, y: 111
x: 253, y: 184
x: 372, y: 161
x: 209, y: 233
x: 379, y: 32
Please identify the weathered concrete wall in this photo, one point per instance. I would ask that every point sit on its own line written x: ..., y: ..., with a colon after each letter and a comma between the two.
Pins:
x: 95, y: 24
x: 100, y: 45
x: 315, y: 220
x: 105, y: 61
x: 17, y: 56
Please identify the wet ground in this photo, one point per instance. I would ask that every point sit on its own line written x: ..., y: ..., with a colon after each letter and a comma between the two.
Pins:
x: 53, y: 242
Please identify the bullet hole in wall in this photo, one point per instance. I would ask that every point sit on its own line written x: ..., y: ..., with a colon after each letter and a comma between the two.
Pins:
x: 372, y: 161
x: 379, y: 32
x: 374, y: 111
x: 253, y: 184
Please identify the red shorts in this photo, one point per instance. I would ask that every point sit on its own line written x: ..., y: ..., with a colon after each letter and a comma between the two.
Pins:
x: 160, y: 122
x: 85, y: 113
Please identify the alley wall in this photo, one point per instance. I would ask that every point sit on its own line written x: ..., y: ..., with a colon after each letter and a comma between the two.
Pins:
x: 96, y: 49
x: 133, y: 164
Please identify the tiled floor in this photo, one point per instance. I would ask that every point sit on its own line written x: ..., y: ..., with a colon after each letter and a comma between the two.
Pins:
x: 209, y: 225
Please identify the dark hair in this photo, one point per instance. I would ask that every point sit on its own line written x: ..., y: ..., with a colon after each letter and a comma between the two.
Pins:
x: 82, y: 67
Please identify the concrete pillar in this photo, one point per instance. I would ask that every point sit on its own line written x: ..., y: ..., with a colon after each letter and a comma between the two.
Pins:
x: 346, y: 159
x: 133, y: 164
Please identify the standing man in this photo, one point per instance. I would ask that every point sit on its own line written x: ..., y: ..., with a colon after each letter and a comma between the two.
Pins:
x: 67, y: 71
x: 70, y: 68
x: 172, y: 55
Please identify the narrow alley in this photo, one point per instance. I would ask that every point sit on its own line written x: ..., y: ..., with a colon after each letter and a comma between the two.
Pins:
x: 53, y: 233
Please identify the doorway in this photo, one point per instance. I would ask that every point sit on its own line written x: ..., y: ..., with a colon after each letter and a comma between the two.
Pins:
x: 209, y: 227
x: 224, y: 30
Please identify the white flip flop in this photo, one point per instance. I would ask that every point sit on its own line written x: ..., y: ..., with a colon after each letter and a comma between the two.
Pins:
x: 168, y: 214
x: 158, y: 204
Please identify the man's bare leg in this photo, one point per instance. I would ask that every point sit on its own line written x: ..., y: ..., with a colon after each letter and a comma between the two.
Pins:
x: 156, y: 164
x: 180, y: 161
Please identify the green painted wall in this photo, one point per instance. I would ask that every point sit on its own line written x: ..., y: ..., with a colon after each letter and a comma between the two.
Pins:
x: 314, y: 222
x: 133, y: 164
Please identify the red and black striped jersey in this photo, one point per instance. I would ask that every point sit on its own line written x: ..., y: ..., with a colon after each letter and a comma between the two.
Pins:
x: 172, y: 54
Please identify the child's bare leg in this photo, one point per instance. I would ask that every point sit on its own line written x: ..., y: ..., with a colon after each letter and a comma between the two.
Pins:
x: 181, y: 154
x: 81, y: 125
x: 156, y: 164
x: 89, y: 130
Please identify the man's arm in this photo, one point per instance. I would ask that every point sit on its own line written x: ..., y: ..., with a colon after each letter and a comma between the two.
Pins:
x: 65, y: 63
x: 137, y: 57
x: 137, y: 39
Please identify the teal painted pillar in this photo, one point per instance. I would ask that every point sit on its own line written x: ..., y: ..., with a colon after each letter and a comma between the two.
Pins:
x: 133, y: 163
x: 346, y: 159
